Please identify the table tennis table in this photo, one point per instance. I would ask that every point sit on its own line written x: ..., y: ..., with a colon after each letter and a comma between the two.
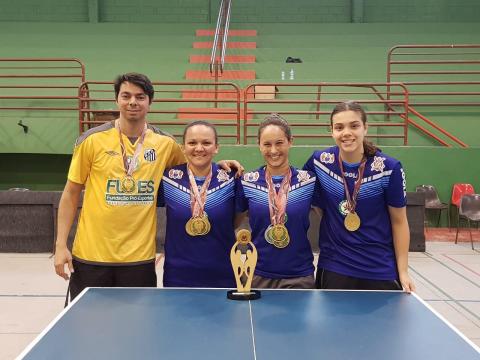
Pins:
x: 172, y: 323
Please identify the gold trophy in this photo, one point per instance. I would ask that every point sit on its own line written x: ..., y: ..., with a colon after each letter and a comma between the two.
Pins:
x: 244, y: 259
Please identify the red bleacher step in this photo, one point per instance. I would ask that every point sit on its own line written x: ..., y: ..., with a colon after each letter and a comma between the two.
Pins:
x: 211, y: 32
x: 230, y: 59
x: 227, y: 75
x: 230, y: 45
x: 208, y: 114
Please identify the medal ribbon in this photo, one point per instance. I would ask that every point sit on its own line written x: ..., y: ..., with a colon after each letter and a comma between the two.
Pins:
x: 352, y: 200
x: 277, y: 202
x: 198, y: 198
x: 129, y: 168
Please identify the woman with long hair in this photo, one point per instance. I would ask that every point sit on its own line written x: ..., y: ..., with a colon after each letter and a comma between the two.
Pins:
x: 364, y: 234
x: 278, y: 198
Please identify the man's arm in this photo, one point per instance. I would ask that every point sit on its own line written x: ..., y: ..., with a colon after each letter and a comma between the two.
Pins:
x: 401, y: 243
x: 67, y: 210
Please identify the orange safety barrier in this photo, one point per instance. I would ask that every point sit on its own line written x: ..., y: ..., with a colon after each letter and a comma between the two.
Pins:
x: 175, y: 104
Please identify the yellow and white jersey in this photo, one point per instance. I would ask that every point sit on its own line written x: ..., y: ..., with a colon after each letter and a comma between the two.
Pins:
x: 117, y: 224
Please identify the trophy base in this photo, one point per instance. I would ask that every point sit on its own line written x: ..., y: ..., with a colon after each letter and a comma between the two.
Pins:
x: 250, y: 295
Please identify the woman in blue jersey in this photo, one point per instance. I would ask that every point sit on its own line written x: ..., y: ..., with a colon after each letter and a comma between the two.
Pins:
x: 364, y: 234
x: 200, y: 205
x: 278, y: 198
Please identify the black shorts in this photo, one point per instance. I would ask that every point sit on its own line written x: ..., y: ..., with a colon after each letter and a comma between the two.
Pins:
x: 303, y: 282
x: 89, y: 275
x: 331, y: 280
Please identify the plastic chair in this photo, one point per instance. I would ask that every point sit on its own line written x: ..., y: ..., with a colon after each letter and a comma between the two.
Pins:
x: 432, y: 201
x: 469, y: 210
x: 458, y: 190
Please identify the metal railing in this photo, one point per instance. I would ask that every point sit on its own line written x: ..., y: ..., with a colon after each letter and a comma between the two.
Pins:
x: 40, y: 84
x: 304, y: 105
x: 175, y: 104
x: 307, y: 107
x: 439, y: 73
x: 438, y: 77
x: 220, y: 39
x: 32, y: 86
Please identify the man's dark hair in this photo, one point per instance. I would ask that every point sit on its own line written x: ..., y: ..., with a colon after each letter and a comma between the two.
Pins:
x: 137, y: 79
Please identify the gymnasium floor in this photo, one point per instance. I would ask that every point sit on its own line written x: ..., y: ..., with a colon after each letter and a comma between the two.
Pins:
x: 447, y: 277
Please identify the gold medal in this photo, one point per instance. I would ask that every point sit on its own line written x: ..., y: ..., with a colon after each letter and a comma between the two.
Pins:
x: 279, y: 235
x: 267, y: 235
x: 352, y: 221
x: 282, y: 243
x: 198, y: 225
x: 208, y: 226
x: 347, y: 207
x: 188, y: 227
x: 128, y: 184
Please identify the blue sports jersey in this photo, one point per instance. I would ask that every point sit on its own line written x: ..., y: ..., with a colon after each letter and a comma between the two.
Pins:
x: 198, y: 261
x: 296, y: 259
x: 367, y: 252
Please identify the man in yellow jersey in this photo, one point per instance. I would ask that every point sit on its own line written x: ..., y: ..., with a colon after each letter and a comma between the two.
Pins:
x: 120, y: 165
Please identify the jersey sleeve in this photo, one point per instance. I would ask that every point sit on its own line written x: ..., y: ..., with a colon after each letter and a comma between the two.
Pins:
x: 309, y: 165
x: 317, y: 199
x: 176, y: 156
x: 241, y: 202
x: 161, y: 195
x: 82, y: 160
x: 396, y: 194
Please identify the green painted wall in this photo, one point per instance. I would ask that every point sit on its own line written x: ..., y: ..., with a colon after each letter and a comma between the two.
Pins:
x: 330, y: 52
x: 336, y: 52
x: 154, y: 11
x: 286, y: 11
x: 246, y: 11
x: 44, y: 10
x: 421, y: 11
x: 441, y: 167
x: 426, y: 165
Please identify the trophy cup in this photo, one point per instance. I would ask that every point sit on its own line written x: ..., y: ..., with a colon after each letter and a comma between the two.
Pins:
x: 244, y: 259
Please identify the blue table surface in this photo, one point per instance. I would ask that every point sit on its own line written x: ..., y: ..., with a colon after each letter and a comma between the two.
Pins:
x: 109, y: 323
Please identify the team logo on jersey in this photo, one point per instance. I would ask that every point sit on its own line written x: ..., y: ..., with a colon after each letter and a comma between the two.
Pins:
x: 404, y: 183
x: 350, y: 175
x: 175, y: 174
x: 251, y: 176
x: 138, y: 192
x: 343, y: 207
x: 222, y: 175
x: 303, y: 175
x: 327, y: 158
x: 149, y: 155
x: 112, y: 153
x: 378, y: 164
